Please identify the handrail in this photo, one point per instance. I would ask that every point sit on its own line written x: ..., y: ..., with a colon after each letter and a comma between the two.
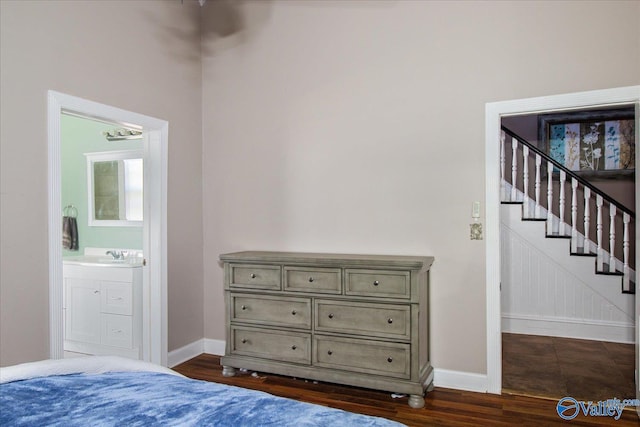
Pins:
x: 569, y: 172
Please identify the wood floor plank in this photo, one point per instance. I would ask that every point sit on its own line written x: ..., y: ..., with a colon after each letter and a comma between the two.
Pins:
x: 443, y: 407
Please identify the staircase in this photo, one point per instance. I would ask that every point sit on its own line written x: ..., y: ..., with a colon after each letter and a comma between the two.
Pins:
x: 569, y: 270
x: 570, y: 221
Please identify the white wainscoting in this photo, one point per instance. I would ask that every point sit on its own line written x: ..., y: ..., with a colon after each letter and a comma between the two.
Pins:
x: 545, y: 291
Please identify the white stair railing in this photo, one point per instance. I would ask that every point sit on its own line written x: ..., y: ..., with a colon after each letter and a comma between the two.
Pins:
x: 558, y: 226
x: 586, y: 246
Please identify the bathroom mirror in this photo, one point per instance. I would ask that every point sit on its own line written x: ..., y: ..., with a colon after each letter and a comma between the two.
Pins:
x: 115, y: 184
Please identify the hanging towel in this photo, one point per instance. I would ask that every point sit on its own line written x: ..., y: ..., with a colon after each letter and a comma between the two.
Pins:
x: 69, y: 233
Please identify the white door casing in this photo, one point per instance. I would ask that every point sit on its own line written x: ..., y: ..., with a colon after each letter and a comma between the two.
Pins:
x: 493, y: 114
x: 154, y: 298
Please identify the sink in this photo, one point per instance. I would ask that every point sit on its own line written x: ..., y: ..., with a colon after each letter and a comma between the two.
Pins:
x: 103, y: 261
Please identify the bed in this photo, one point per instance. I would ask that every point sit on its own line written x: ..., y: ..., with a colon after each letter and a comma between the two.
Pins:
x: 109, y: 391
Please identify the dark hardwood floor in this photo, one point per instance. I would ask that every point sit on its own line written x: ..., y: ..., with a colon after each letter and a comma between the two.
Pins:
x: 443, y: 407
x: 557, y: 367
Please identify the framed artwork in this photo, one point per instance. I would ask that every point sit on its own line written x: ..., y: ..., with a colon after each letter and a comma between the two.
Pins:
x: 591, y: 143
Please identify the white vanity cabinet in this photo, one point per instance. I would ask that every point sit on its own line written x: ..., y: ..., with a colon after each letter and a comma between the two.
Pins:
x: 103, y: 309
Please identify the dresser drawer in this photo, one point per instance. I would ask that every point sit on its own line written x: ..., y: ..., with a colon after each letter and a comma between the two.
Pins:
x: 117, y: 330
x: 274, y: 311
x: 254, y: 276
x: 374, y: 357
x: 271, y: 344
x: 380, y: 320
x: 378, y: 283
x: 308, y: 279
x: 116, y: 298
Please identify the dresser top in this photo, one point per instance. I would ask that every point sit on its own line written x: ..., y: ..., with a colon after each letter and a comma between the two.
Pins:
x: 328, y: 259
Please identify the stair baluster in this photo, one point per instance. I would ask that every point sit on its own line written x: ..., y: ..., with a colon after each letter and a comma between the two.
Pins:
x: 574, y: 216
x: 625, y: 249
x: 599, y: 254
x: 549, y: 198
x: 612, y: 237
x: 586, y: 246
x: 525, y: 181
x: 563, y: 177
x: 514, y: 168
x: 536, y: 213
x: 503, y: 190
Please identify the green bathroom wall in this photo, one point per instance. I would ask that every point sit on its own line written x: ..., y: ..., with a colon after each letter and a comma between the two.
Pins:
x: 79, y: 136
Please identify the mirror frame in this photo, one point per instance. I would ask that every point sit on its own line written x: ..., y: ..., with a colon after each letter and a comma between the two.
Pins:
x: 107, y: 156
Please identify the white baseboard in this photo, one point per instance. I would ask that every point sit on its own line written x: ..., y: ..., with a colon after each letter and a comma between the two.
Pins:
x: 441, y: 377
x: 216, y: 347
x: 459, y: 380
x: 182, y: 354
x: 196, y: 348
x: 568, y: 328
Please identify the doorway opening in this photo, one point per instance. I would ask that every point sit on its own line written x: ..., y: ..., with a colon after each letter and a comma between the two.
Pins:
x: 493, y: 114
x: 154, y: 277
x: 567, y: 331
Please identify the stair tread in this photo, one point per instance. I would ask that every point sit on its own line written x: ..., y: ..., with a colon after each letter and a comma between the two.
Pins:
x: 534, y: 219
x: 606, y: 271
x: 580, y: 252
x: 556, y: 235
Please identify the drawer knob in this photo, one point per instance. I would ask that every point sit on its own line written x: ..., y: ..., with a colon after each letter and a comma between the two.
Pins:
x: 330, y: 315
x: 376, y: 283
x: 389, y: 320
x: 329, y: 352
x: 244, y: 307
x: 293, y: 347
x: 244, y: 341
x: 294, y: 312
x: 252, y: 275
x: 96, y: 291
x: 389, y: 359
x: 310, y: 279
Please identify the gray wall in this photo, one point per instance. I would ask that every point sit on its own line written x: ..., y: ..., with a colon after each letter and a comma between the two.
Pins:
x: 141, y: 56
x: 359, y: 127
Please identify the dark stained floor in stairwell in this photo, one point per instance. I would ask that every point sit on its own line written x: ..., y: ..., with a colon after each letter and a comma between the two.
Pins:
x: 557, y: 367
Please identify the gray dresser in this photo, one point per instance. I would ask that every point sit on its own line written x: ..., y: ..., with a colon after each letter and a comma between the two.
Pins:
x: 360, y: 320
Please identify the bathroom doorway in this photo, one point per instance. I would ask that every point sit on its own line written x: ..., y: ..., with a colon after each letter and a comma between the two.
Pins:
x: 152, y: 233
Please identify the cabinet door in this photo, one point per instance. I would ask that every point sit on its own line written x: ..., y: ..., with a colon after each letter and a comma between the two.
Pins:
x: 83, y: 310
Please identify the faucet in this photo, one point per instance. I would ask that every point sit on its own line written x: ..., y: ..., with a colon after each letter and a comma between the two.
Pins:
x: 115, y: 254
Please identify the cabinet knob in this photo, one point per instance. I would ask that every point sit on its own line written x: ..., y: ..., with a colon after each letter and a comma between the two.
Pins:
x: 329, y: 352
x: 294, y: 312
x: 244, y: 341
x: 293, y: 347
x: 244, y: 307
x: 330, y: 315
x: 389, y: 320
x: 310, y: 279
x: 252, y: 275
x: 389, y: 359
x: 96, y: 291
x: 376, y: 283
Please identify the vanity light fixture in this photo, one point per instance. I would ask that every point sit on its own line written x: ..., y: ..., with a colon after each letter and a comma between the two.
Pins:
x: 122, y: 134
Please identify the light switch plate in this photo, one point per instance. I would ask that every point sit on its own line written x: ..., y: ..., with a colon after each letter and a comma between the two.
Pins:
x: 475, y: 210
x: 476, y: 231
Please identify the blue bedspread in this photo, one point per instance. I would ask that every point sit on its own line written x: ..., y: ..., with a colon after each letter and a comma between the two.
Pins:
x: 146, y: 398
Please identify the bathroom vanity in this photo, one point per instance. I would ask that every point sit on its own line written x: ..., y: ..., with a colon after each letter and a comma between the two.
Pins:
x: 102, y: 306
x: 360, y: 320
